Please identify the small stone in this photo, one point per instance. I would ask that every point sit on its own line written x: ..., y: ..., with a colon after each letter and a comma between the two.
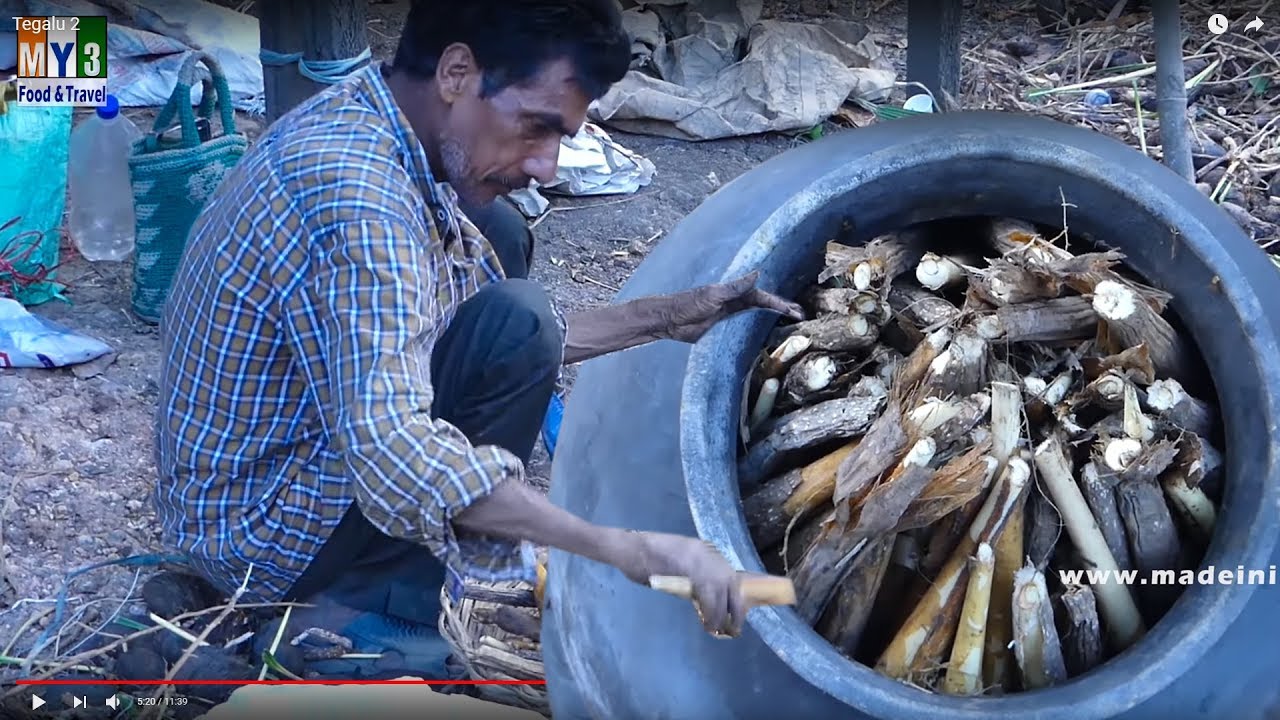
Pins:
x: 1124, y: 57
x: 1021, y: 47
x: 94, y: 367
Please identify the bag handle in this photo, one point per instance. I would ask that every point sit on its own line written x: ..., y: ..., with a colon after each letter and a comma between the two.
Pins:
x: 215, y: 92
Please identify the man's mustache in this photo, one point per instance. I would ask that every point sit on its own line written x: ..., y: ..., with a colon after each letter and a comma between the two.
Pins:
x: 510, y: 183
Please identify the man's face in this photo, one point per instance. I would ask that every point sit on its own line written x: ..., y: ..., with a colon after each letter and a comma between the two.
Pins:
x: 491, y: 146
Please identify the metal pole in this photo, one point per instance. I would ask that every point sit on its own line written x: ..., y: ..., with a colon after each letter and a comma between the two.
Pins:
x: 1171, y: 89
x: 933, y: 46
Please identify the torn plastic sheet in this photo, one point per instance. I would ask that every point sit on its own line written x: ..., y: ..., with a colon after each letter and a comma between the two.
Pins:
x: 708, y: 69
x: 29, y: 341
x: 591, y: 163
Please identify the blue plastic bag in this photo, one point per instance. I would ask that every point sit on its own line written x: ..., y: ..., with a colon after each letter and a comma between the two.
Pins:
x: 551, y: 423
x: 33, y: 186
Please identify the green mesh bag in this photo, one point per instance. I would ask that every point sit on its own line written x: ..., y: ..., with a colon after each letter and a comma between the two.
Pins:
x: 33, y: 191
x: 172, y: 179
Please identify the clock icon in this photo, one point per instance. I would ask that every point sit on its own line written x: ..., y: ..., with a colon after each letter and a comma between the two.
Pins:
x: 1217, y: 24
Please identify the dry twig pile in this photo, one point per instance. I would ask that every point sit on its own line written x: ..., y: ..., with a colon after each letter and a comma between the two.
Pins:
x: 949, y: 435
x: 1232, y: 86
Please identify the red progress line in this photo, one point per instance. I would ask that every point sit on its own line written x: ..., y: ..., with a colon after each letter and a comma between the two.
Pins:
x: 280, y: 682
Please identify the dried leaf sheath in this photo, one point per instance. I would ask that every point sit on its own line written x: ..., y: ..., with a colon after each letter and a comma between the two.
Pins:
x: 928, y: 632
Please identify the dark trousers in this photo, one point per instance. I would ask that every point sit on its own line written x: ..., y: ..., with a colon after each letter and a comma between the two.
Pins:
x: 493, y: 371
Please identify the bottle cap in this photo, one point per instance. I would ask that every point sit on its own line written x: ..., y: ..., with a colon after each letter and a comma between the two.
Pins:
x: 111, y: 109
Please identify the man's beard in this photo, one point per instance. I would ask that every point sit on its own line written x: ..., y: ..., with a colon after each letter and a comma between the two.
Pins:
x: 457, y: 171
x: 456, y: 166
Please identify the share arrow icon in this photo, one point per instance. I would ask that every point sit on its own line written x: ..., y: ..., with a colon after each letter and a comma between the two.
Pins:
x: 1254, y: 24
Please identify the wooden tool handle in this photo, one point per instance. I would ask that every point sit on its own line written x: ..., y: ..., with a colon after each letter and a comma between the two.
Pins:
x: 756, y: 589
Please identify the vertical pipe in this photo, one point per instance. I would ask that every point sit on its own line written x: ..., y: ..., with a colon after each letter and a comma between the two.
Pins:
x: 933, y: 46
x: 1171, y: 89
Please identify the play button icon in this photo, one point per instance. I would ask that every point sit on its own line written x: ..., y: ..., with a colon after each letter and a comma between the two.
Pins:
x: 36, y: 702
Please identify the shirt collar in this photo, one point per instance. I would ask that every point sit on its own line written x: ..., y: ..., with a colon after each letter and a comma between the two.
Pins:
x: 441, y: 200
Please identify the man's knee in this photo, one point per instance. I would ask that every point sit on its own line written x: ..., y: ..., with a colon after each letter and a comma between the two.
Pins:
x: 508, y: 234
x: 522, y: 309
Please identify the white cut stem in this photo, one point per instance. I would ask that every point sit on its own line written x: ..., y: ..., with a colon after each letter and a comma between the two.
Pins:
x: 1173, y: 403
x: 867, y: 303
x: 964, y: 349
x: 1136, y: 425
x: 1067, y: 421
x: 1121, y: 452
x: 1006, y: 420
x: 1114, y: 301
x: 931, y: 415
x: 817, y: 372
x: 870, y: 386
x: 1164, y: 395
x: 863, y: 276
x: 937, y: 271
x: 921, y: 453
x: 1110, y: 387
x: 1035, y: 386
x: 1191, y: 502
x: 1119, y: 612
x: 790, y: 349
x: 1035, y: 637
x: 764, y: 403
x: 988, y: 327
x: 862, y: 327
x: 964, y: 672
x: 1057, y: 390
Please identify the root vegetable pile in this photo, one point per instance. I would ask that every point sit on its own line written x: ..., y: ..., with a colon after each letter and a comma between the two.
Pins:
x: 942, y: 450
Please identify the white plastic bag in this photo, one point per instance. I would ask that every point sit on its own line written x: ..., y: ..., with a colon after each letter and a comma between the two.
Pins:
x: 27, y: 341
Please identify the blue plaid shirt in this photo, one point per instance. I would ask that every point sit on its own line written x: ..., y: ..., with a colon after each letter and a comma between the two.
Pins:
x: 297, y: 343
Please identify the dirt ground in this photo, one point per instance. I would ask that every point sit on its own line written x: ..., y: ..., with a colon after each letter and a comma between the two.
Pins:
x: 77, y: 444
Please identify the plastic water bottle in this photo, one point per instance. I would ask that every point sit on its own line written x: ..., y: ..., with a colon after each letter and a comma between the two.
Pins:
x: 100, y: 198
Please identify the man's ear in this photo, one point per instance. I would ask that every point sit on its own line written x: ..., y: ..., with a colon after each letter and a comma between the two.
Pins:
x: 457, y: 73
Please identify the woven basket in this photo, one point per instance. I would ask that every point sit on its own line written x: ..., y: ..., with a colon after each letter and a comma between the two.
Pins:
x: 487, y: 651
x: 172, y: 181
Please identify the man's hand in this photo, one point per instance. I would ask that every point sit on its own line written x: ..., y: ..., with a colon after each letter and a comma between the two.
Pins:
x: 717, y: 592
x: 693, y: 312
x: 684, y: 316
x: 516, y: 511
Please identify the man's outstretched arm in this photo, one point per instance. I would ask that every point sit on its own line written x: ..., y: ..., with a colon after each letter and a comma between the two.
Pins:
x: 682, y: 316
x: 515, y: 510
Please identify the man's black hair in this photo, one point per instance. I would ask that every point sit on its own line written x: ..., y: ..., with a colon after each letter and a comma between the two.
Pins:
x: 513, y: 39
